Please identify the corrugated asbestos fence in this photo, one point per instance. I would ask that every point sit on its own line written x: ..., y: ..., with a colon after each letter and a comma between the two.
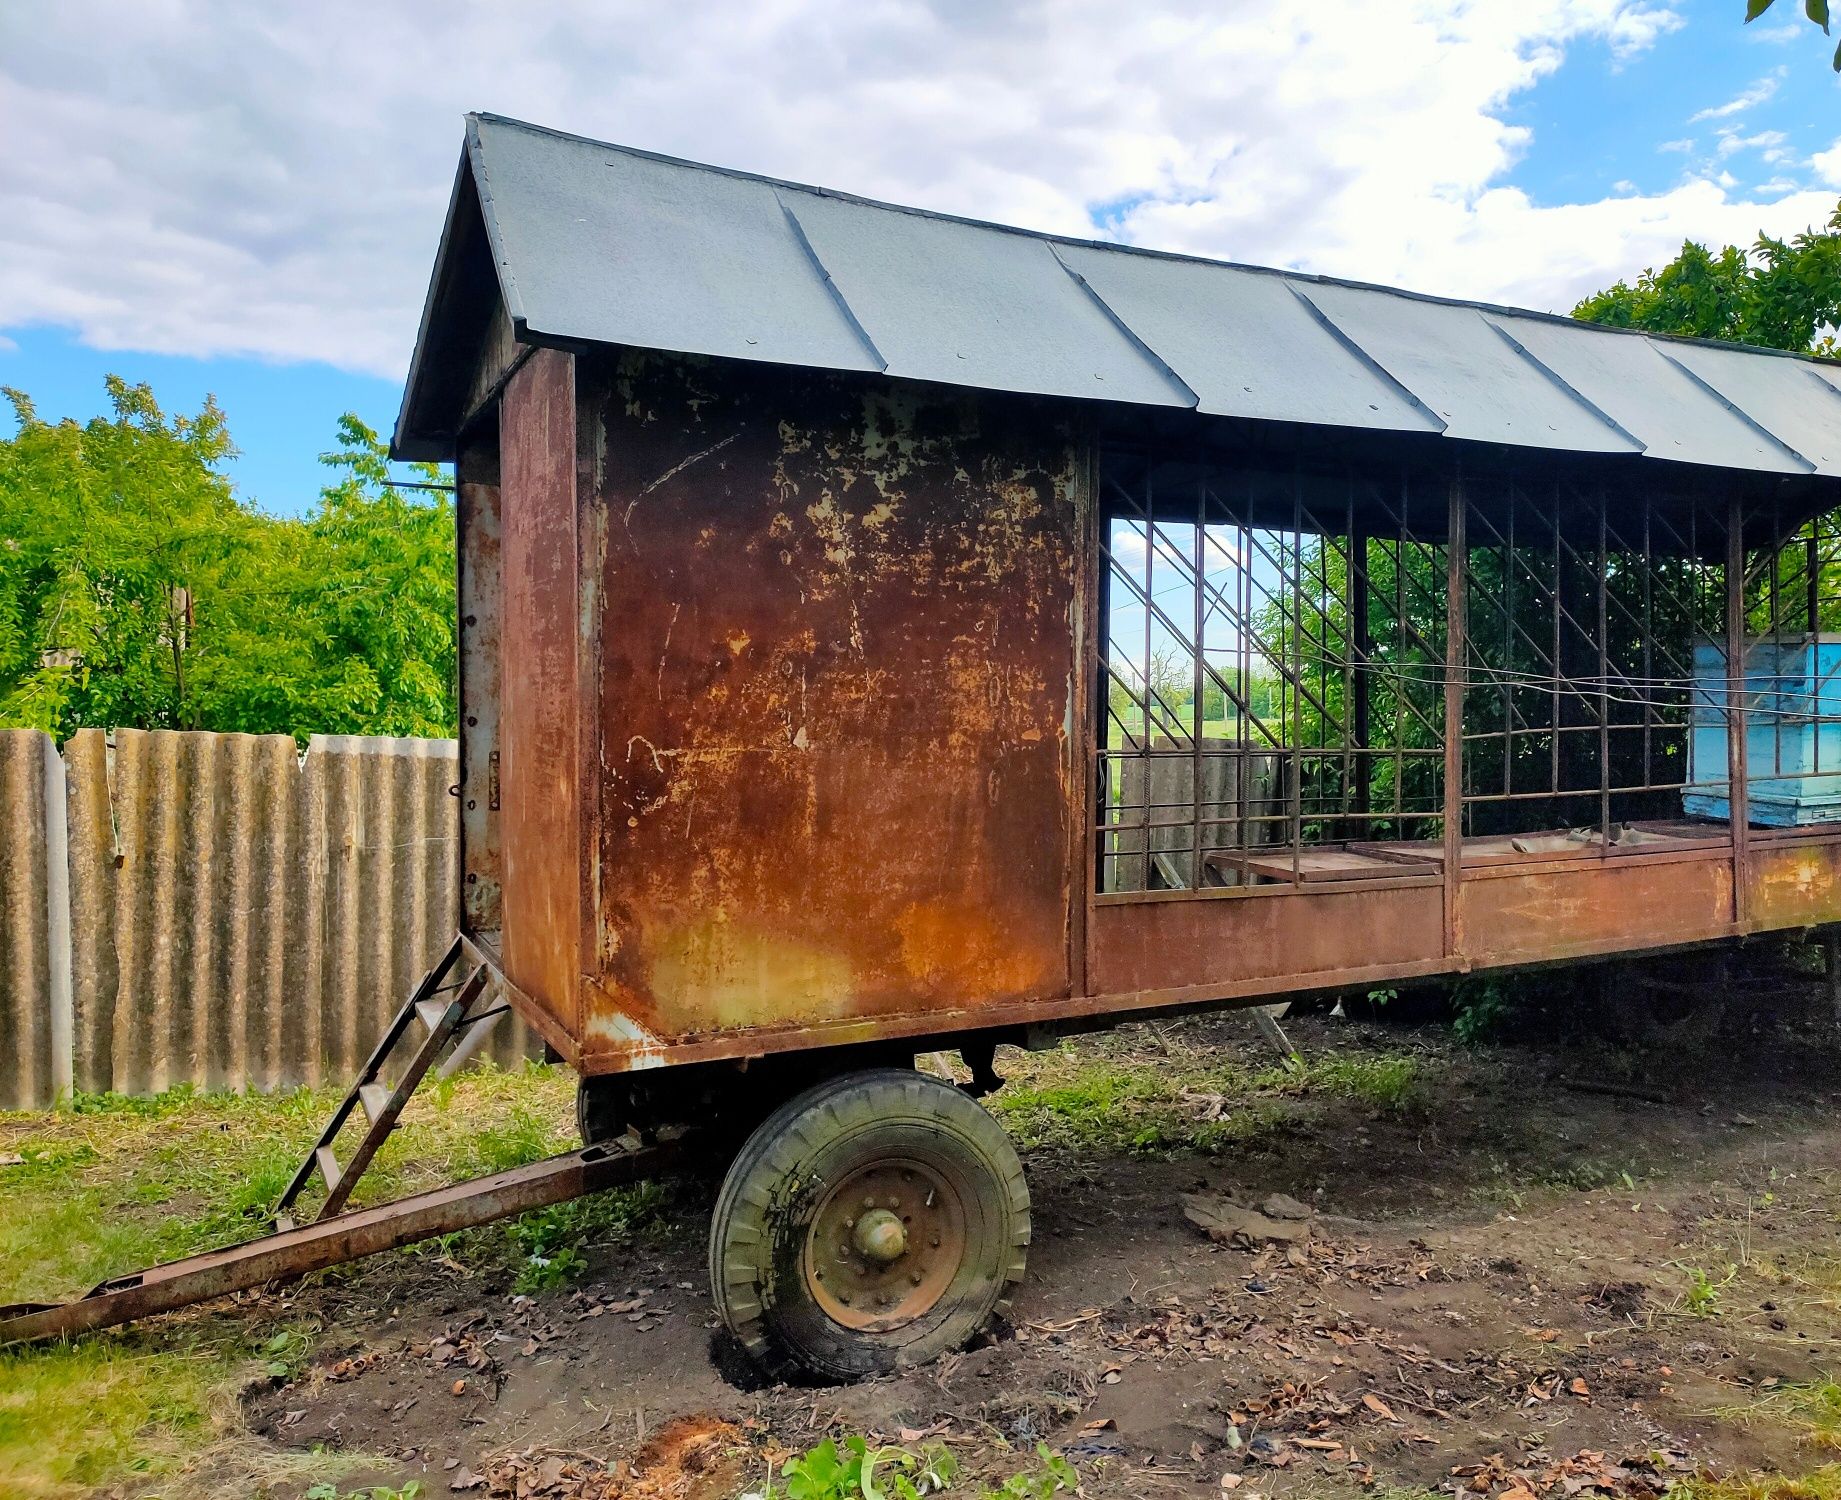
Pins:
x: 216, y: 909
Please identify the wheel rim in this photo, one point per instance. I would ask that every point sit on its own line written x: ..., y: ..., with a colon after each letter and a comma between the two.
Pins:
x: 885, y: 1245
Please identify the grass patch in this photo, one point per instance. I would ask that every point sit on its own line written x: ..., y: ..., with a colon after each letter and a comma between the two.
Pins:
x: 111, y: 1184
x: 1811, y: 1409
x: 1823, y: 1483
x: 552, y: 1240
x: 1701, y: 1297
x: 1074, y: 1100
x: 853, y: 1470
x: 1389, y: 1082
x: 1098, y: 1106
x: 75, y: 1416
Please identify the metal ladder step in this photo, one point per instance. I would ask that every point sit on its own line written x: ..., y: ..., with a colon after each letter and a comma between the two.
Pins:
x: 447, y: 1005
x: 375, y: 1097
x: 329, y: 1168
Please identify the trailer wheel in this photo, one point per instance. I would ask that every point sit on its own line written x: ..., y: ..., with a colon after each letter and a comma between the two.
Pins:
x: 874, y: 1222
x: 602, y: 1110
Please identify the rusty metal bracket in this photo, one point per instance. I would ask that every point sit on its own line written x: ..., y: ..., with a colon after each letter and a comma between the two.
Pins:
x: 331, y: 1241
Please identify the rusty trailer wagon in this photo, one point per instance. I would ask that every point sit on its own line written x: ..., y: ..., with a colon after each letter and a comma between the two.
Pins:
x: 884, y: 633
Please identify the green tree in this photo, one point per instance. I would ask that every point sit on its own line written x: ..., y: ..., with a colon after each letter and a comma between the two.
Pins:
x: 1782, y: 294
x: 137, y: 590
x: 107, y: 533
x: 358, y: 633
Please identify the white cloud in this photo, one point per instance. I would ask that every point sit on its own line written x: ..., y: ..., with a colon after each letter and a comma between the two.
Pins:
x: 1827, y: 165
x: 205, y: 177
x: 1765, y: 88
x: 1769, y: 142
x: 1780, y: 35
x: 1635, y: 28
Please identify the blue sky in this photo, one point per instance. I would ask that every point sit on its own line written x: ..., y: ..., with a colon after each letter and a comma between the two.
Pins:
x: 212, y: 197
x: 282, y: 415
x: 1601, y: 126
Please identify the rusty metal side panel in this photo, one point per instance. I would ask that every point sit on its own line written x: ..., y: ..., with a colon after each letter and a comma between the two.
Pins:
x: 838, y: 666
x: 540, y: 704
x: 1794, y: 885
x: 481, y: 600
x: 1613, y: 906
x: 1232, y: 942
x: 35, y: 983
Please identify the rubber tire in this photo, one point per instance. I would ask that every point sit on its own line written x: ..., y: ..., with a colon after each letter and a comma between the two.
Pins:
x: 600, y: 1110
x: 780, y: 1178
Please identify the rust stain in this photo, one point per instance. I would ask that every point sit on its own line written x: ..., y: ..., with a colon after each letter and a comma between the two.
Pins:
x: 541, y: 632
x: 1639, y: 903
x: 835, y: 774
x: 1795, y: 886
x: 941, y: 935
x: 1254, y: 939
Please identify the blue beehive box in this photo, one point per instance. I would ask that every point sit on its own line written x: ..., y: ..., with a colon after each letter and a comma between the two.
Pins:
x: 1792, y: 703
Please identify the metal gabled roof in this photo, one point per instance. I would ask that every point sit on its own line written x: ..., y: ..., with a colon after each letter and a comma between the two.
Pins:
x: 593, y: 243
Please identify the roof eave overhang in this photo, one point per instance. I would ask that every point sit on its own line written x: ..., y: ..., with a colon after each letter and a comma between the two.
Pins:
x: 427, y: 423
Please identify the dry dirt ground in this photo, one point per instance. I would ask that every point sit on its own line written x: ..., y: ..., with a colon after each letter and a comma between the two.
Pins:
x: 1532, y: 1270
x: 1547, y: 1270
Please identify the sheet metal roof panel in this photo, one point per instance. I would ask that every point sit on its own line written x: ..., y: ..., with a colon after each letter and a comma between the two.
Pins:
x: 609, y: 246
x: 1788, y: 398
x: 597, y: 243
x: 1650, y: 397
x: 1450, y: 358
x: 971, y: 305
x: 1244, y: 342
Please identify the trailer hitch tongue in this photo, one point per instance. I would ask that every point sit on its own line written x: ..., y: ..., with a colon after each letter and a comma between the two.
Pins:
x: 330, y: 1241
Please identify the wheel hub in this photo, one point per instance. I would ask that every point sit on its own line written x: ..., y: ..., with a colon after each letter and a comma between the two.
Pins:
x: 879, y: 1237
x: 884, y: 1246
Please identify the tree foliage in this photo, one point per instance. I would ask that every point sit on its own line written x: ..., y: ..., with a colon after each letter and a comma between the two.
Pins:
x: 138, y: 590
x: 1816, y: 10
x: 1782, y: 294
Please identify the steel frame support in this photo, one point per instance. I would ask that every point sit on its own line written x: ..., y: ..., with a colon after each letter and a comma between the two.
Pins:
x: 1456, y: 648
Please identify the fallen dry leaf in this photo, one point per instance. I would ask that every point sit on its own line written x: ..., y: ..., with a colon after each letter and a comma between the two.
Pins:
x: 1379, y: 1407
